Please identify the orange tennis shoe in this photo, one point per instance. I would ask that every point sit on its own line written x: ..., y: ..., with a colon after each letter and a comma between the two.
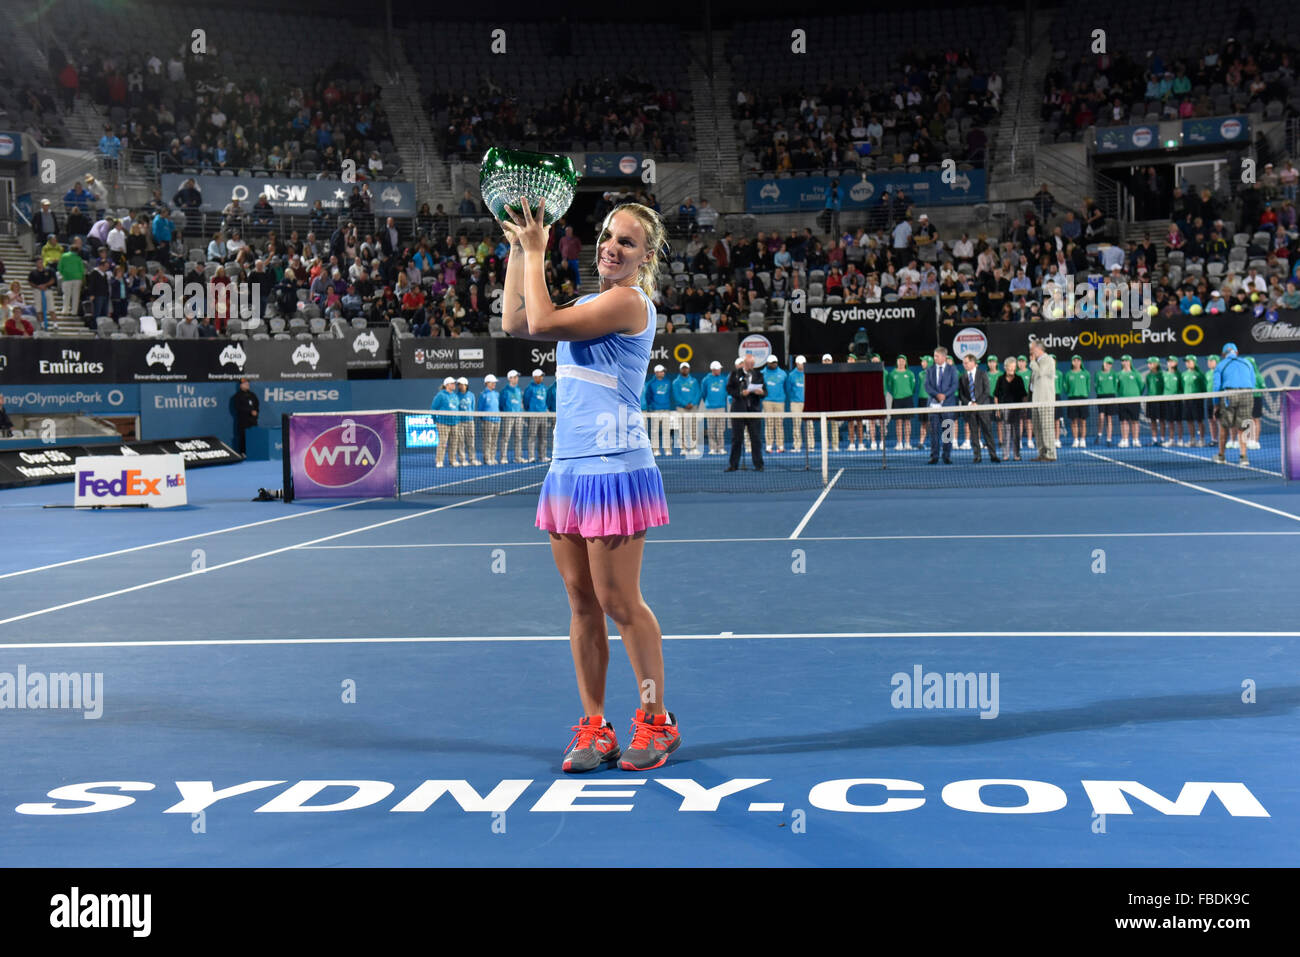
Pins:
x: 594, y: 744
x: 654, y: 737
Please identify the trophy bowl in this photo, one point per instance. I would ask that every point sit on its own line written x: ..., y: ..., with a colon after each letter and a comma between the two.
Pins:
x: 506, y: 175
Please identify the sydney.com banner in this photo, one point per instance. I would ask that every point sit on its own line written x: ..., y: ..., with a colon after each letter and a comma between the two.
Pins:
x: 808, y: 194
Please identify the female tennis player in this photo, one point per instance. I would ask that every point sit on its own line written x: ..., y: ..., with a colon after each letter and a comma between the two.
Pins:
x: 603, y: 489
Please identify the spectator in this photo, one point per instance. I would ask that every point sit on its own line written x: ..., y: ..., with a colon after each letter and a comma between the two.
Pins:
x: 686, y: 213
x: 263, y: 214
x: 706, y: 217
x: 77, y: 198
x: 97, y: 285
x: 72, y: 273
x: 109, y: 144
x: 188, y: 197
x: 571, y: 253
x: 245, y: 406
x: 13, y: 323
x: 41, y: 280
x: 45, y: 223
x: 187, y: 328
x: 1044, y: 202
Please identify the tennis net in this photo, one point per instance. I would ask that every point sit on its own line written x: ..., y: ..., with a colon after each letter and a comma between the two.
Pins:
x: 1090, y: 441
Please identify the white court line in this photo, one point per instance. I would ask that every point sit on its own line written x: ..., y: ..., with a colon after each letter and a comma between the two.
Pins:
x: 236, y: 528
x: 240, y: 561
x: 724, y: 636
x: 1202, y: 458
x: 1199, y: 488
x: 830, y: 538
x: 186, y: 538
x: 817, y: 504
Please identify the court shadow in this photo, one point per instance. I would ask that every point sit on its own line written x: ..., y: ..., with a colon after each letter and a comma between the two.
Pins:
x: 269, y: 731
x: 947, y: 729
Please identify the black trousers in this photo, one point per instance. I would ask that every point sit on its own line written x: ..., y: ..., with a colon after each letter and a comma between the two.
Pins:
x: 983, y: 422
x: 755, y: 427
x: 240, y: 428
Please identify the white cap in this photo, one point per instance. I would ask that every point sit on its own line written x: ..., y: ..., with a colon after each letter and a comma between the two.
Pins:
x: 489, y: 378
x: 537, y: 372
x: 684, y: 365
x: 462, y: 381
x: 450, y: 380
x: 925, y: 216
x: 715, y: 364
x: 512, y: 374
x: 800, y: 359
x: 659, y: 369
x: 771, y: 358
x: 827, y: 358
x: 740, y: 360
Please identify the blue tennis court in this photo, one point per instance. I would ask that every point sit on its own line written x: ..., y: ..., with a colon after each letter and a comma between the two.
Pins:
x: 1085, y: 675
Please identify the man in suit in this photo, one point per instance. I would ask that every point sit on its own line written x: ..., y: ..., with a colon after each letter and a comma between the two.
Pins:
x: 1043, y: 394
x: 941, y: 387
x: 973, y: 390
x: 746, y: 388
x: 389, y: 239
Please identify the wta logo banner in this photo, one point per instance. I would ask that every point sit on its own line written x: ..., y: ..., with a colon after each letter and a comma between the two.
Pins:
x: 1291, y: 435
x: 336, y: 455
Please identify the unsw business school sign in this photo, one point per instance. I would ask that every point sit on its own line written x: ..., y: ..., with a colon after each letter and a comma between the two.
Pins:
x: 1180, y: 335
x: 292, y: 196
x: 61, y: 361
x: 473, y: 357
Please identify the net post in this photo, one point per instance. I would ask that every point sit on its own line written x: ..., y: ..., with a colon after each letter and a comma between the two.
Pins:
x: 826, y: 461
x: 286, y: 458
x: 399, y: 440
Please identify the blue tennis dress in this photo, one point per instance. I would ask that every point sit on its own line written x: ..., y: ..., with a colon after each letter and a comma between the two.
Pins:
x: 603, y: 478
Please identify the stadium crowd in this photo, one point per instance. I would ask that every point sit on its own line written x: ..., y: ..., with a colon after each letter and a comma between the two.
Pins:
x: 188, y: 110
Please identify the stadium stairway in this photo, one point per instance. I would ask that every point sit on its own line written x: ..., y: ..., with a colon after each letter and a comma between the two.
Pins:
x: 411, y: 130
x: 1016, y: 142
x: 19, y: 264
x: 715, y: 127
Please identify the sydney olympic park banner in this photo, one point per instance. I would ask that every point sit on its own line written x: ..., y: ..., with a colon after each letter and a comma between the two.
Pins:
x: 909, y: 327
x: 293, y: 197
x: 808, y: 194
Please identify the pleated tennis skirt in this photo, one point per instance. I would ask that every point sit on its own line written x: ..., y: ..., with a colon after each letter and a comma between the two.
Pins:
x: 598, y: 495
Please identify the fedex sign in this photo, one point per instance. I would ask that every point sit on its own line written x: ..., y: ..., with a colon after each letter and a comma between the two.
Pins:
x: 156, y: 481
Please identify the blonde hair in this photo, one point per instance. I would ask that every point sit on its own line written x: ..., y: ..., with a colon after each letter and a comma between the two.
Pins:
x: 656, y: 234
